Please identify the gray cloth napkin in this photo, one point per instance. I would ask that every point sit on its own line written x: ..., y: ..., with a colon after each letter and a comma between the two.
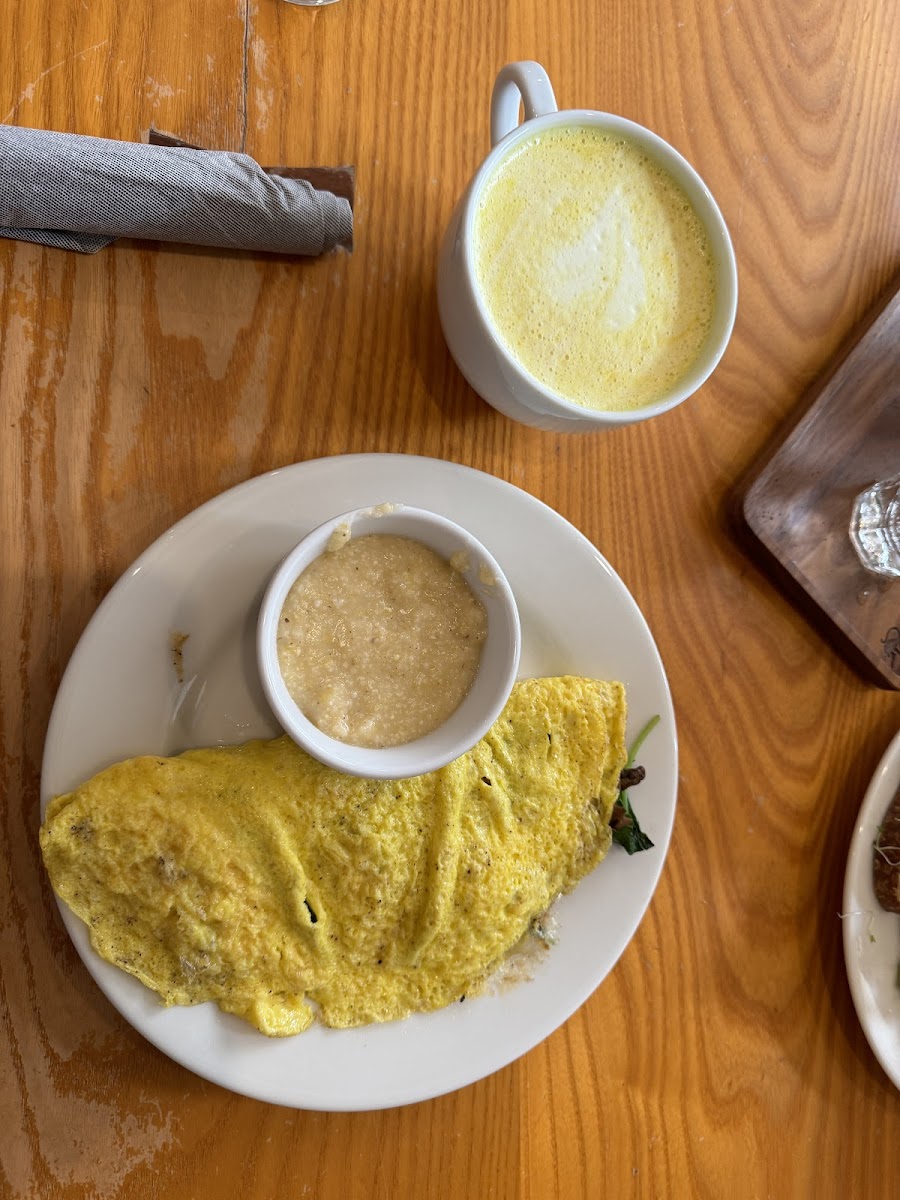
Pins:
x: 81, y: 193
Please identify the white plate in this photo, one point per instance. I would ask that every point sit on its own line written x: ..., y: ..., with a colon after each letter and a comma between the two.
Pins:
x: 871, y: 935
x: 205, y: 577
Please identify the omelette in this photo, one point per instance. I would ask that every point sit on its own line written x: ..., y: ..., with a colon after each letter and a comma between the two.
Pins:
x: 287, y: 892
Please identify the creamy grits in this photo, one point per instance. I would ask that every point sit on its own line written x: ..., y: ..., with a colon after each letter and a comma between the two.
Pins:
x: 379, y: 640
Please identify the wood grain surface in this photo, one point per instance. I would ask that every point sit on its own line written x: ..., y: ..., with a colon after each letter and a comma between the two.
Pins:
x: 722, y: 1056
x: 799, y: 503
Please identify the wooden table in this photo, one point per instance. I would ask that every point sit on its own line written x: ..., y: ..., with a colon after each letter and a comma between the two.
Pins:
x: 722, y: 1056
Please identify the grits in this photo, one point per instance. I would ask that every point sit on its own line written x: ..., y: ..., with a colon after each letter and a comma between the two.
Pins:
x: 258, y: 878
x: 380, y: 639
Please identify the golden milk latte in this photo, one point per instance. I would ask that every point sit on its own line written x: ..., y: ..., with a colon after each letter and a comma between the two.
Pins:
x: 596, y: 271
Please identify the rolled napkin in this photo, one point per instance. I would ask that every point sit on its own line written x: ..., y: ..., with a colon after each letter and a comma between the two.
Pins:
x: 81, y: 193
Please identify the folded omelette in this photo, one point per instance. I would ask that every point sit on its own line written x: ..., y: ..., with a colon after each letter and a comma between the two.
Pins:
x: 285, y: 891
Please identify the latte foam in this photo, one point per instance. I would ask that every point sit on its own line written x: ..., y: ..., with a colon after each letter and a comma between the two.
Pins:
x: 594, y: 267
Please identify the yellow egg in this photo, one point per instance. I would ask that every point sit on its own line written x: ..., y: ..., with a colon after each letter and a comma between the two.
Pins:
x: 285, y: 891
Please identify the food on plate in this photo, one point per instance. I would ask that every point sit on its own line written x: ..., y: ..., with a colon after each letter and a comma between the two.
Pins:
x: 624, y: 823
x: 886, y: 858
x: 283, y: 890
x: 379, y: 640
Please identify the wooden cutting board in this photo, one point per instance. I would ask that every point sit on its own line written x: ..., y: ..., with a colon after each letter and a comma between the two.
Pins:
x: 798, y: 503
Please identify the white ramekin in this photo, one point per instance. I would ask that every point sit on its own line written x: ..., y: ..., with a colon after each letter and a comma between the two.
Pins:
x: 489, y: 691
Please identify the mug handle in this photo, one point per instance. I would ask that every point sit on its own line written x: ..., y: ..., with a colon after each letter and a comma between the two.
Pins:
x: 527, y: 82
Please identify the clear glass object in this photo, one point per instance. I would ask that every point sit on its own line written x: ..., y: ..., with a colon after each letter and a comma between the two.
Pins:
x: 875, y: 527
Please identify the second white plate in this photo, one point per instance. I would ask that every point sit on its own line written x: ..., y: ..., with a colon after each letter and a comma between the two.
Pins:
x: 871, y: 935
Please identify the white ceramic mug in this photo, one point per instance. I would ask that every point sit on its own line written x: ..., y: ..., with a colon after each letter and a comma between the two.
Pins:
x: 472, y: 337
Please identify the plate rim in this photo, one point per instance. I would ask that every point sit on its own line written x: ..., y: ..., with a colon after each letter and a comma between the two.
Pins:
x: 885, y: 780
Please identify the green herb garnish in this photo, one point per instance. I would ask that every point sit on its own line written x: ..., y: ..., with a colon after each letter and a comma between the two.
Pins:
x: 626, y: 830
x: 640, y: 739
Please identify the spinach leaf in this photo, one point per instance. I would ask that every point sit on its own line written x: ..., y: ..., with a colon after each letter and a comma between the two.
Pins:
x: 624, y: 823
